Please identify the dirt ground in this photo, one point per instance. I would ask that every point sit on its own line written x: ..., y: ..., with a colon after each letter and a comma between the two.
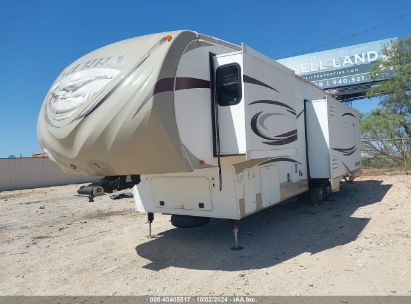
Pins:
x: 56, y: 243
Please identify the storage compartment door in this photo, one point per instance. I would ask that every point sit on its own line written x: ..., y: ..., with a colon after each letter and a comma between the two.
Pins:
x: 270, y: 185
x: 179, y: 192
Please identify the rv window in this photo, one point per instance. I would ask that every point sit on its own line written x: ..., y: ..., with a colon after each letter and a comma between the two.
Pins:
x: 228, y: 84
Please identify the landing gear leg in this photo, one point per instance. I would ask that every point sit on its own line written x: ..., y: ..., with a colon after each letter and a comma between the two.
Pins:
x: 235, y: 231
x: 91, y: 198
x: 150, y: 218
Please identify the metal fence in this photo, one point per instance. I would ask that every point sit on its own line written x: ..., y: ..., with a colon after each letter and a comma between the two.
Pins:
x: 32, y: 172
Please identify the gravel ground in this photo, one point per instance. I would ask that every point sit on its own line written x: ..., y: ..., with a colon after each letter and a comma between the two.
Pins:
x: 56, y: 243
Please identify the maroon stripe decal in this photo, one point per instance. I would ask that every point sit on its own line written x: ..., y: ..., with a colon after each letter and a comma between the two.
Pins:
x: 163, y: 85
x: 257, y: 82
x: 167, y: 85
x: 183, y: 83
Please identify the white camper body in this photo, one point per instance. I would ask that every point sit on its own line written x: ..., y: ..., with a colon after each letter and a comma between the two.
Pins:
x: 213, y: 129
x: 264, y: 140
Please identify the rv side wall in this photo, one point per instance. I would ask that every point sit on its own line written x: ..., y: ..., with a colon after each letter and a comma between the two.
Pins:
x: 318, y: 138
x: 247, y: 188
x: 344, y: 139
x: 333, y: 139
x: 195, y: 193
x: 280, y: 111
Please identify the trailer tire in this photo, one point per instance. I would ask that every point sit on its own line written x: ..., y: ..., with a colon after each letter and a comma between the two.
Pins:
x: 326, y: 191
x: 316, y: 195
x: 187, y: 221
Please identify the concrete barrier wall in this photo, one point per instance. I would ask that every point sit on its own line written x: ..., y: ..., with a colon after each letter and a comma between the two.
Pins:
x: 26, y: 173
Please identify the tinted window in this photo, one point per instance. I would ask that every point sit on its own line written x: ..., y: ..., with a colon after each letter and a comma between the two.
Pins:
x: 228, y: 81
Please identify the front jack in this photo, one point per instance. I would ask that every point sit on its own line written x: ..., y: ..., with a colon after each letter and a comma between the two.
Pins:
x: 236, y: 247
x: 150, y: 218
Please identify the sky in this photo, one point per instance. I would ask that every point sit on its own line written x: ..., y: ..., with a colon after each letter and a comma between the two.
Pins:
x: 39, y: 38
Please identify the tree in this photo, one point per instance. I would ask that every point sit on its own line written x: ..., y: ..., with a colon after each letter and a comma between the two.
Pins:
x: 383, y: 128
x: 382, y: 132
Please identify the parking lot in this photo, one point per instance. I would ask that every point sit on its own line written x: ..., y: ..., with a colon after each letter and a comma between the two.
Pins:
x: 56, y: 243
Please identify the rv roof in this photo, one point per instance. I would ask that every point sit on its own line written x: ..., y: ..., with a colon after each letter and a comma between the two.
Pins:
x: 260, y: 55
x: 218, y: 41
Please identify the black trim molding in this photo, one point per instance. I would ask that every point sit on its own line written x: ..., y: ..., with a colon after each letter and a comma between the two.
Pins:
x: 348, y: 114
x: 252, y: 80
x: 276, y: 103
x: 346, y: 151
x: 277, y: 140
x: 280, y: 159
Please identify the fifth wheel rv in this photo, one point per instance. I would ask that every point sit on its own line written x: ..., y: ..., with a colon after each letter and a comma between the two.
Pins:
x: 199, y: 127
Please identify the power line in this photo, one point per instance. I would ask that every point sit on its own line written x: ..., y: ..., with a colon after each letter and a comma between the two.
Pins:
x: 354, y: 34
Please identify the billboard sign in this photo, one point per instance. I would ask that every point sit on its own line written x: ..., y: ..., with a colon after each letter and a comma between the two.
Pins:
x: 336, y: 68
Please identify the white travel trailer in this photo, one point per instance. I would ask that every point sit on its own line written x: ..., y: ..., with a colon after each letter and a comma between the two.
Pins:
x: 201, y: 128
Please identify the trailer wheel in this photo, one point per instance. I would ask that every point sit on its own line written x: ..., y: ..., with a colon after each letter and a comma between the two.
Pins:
x: 186, y: 221
x: 326, y: 191
x: 316, y: 195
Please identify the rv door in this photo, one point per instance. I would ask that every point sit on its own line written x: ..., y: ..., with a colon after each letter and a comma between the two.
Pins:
x: 228, y: 104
